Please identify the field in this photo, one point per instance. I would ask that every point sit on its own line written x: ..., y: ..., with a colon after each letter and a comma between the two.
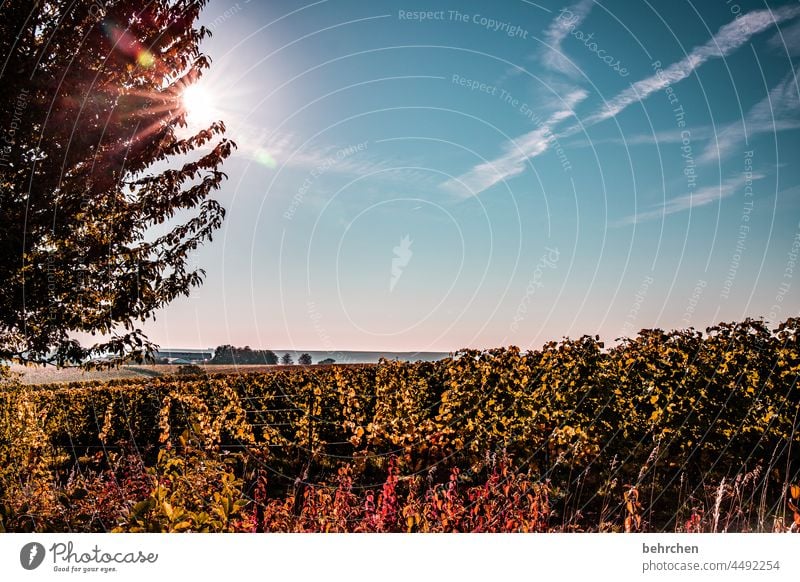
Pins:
x: 668, y: 431
x: 51, y: 375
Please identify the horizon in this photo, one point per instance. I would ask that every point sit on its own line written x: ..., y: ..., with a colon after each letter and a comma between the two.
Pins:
x: 608, y: 342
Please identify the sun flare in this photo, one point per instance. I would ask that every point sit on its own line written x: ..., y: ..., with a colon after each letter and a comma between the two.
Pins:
x: 199, y: 105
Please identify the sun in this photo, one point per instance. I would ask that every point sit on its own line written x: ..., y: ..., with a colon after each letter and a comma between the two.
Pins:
x: 199, y: 105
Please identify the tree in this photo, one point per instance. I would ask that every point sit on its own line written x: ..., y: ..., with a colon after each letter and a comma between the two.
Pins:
x: 304, y: 359
x: 286, y: 359
x: 95, y: 172
x: 227, y: 354
x: 326, y: 361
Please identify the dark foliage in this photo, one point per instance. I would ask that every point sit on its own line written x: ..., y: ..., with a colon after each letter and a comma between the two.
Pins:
x: 228, y: 354
x: 92, y: 159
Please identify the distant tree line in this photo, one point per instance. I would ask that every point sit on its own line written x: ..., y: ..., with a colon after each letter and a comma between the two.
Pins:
x: 227, y: 354
x: 303, y: 360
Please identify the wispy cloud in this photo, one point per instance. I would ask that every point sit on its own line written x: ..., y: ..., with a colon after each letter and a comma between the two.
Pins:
x: 787, y: 41
x: 700, y: 197
x: 778, y: 111
x: 567, y: 19
x: 656, y: 138
x: 275, y: 150
x: 552, y: 56
x: 516, y: 152
x: 729, y: 38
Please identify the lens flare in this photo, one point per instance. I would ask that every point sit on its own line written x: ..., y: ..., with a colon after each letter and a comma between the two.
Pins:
x: 263, y: 157
x: 145, y: 59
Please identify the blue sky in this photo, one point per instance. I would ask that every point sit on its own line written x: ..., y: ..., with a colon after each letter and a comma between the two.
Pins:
x: 486, y: 174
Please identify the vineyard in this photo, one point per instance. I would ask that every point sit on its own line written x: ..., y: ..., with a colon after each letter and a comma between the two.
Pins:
x: 667, y: 431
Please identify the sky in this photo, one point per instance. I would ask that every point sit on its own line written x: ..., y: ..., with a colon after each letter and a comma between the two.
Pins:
x: 439, y: 175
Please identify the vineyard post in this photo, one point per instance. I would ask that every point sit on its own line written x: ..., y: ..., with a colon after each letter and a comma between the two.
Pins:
x: 310, y: 429
x: 302, y: 479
